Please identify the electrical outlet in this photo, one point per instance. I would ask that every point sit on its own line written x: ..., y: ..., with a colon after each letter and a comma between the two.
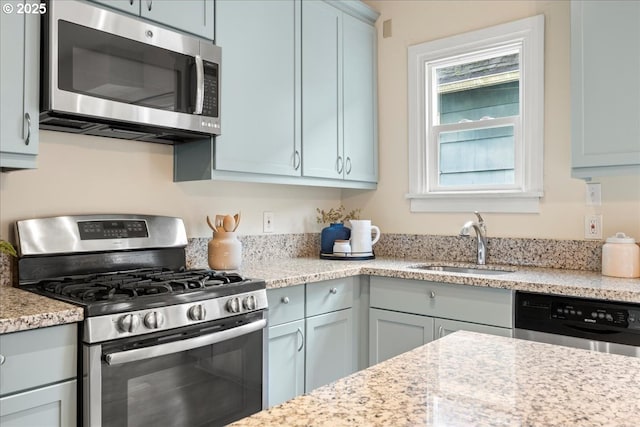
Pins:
x: 593, y: 227
x: 594, y: 194
x: 267, y: 222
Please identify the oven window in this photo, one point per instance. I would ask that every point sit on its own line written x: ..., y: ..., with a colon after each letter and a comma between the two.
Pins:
x: 207, y: 386
x: 111, y: 67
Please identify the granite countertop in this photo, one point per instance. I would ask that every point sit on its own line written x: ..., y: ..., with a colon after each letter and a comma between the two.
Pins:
x: 474, y: 379
x: 20, y: 310
x: 293, y: 271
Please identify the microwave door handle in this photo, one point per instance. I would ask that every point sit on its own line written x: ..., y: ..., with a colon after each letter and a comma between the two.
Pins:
x: 183, y: 345
x: 199, y: 85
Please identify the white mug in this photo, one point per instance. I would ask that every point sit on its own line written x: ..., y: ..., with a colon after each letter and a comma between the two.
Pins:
x: 361, y: 241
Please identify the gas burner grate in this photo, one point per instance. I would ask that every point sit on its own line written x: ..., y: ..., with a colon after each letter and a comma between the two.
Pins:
x: 137, y: 283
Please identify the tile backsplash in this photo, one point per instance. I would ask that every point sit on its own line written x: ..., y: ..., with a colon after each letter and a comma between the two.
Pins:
x: 547, y: 253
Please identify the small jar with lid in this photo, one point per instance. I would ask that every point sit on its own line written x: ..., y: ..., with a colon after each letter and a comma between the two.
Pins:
x: 621, y: 257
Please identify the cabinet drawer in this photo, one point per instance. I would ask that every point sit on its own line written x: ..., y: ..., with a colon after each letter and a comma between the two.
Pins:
x: 330, y: 295
x: 458, y: 302
x: 37, y: 357
x: 285, y: 304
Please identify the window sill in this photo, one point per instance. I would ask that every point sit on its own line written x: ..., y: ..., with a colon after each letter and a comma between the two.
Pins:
x: 505, y: 202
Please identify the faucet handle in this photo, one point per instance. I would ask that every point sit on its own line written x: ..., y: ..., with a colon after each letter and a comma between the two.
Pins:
x: 480, y: 220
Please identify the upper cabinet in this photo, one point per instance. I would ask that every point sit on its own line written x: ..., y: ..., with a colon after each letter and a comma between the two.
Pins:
x: 298, y: 96
x: 19, y: 80
x: 605, y: 89
x: 261, y: 101
x: 339, y: 94
x: 192, y: 16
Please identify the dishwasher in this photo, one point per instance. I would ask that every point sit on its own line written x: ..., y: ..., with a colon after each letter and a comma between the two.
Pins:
x: 592, y: 324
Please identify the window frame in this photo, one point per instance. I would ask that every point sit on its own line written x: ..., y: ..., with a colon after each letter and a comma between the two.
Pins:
x: 527, y: 35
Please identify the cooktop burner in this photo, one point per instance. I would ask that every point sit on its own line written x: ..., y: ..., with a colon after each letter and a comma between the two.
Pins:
x: 115, y: 292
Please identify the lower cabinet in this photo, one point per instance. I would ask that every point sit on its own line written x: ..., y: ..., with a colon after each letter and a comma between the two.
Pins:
x: 406, y: 314
x: 311, y: 337
x: 38, y: 377
x: 52, y: 406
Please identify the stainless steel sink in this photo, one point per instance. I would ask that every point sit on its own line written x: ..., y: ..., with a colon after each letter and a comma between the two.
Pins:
x: 484, y: 270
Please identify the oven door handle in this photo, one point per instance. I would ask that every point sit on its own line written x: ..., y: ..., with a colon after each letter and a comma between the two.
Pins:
x: 183, y: 345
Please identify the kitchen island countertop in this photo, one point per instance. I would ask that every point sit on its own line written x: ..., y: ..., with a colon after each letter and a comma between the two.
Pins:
x: 474, y: 379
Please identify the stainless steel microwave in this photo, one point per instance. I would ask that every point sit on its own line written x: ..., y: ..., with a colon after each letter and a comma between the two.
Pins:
x: 108, y: 74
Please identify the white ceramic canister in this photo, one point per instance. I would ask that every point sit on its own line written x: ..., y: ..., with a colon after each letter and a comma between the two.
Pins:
x: 341, y: 248
x: 225, y: 251
x: 621, y: 257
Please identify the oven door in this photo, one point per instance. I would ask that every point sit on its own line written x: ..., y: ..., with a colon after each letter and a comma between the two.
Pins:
x: 208, y: 375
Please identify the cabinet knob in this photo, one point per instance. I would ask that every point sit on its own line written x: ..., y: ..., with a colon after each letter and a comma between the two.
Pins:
x: 285, y: 300
x: 432, y: 294
x: 334, y: 291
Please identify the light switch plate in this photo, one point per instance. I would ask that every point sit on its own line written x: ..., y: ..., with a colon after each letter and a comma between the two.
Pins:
x: 594, y: 194
x: 267, y: 222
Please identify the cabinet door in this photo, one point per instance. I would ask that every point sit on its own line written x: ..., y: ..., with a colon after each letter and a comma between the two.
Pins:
x: 392, y: 333
x: 259, y: 87
x: 605, y: 89
x: 20, y: 85
x: 360, y: 134
x: 191, y: 16
x: 129, y: 6
x: 444, y: 327
x: 50, y: 406
x: 330, y: 347
x: 286, y: 362
x: 322, y: 154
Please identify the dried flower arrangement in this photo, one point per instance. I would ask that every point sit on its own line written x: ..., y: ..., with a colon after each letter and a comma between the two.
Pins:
x: 336, y: 215
x: 7, y: 248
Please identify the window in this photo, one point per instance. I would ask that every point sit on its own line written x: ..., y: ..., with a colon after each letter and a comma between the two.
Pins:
x: 476, y: 119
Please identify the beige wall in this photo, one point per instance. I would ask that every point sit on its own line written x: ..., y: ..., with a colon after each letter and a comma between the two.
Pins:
x: 79, y: 174
x: 563, y: 207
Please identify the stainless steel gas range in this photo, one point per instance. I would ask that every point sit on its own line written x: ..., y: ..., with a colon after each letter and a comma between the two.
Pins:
x: 161, y: 345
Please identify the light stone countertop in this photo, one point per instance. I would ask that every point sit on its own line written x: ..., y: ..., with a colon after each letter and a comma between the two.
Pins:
x: 21, y: 310
x: 293, y: 271
x: 470, y: 379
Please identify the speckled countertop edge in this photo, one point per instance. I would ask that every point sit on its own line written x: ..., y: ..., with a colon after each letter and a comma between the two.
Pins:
x: 587, y: 284
x: 21, y: 310
x: 471, y: 379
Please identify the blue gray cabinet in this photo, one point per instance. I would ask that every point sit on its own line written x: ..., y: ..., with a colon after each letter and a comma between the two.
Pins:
x: 311, y: 337
x: 261, y: 98
x: 605, y: 106
x: 20, y: 85
x: 191, y: 16
x: 405, y: 314
x: 38, y: 377
x: 339, y: 92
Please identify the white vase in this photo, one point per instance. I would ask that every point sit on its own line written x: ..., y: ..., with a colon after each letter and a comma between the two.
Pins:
x: 225, y: 251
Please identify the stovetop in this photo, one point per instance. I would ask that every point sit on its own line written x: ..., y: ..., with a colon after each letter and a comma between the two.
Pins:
x: 117, y: 292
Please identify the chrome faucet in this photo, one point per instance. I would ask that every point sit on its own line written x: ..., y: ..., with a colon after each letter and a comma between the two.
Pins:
x: 481, y: 233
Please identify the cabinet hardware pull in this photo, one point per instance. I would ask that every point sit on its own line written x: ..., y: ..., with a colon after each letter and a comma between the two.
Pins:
x: 285, y: 300
x: 339, y: 164
x: 302, y: 340
x: 130, y: 2
x: 296, y: 160
x: 28, y: 117
x: 2, y: 359
x: 149, y: 4
x: 348, y: 165
x: 334, y: 291
x: 440, y: 331
x: 432, y: 294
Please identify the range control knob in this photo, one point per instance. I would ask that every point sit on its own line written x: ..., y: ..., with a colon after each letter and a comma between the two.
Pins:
x: 153, y: 320
x: 233, y: 305
x: 128, y: 323
x: 249, y: 302
x: 197, y: 312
